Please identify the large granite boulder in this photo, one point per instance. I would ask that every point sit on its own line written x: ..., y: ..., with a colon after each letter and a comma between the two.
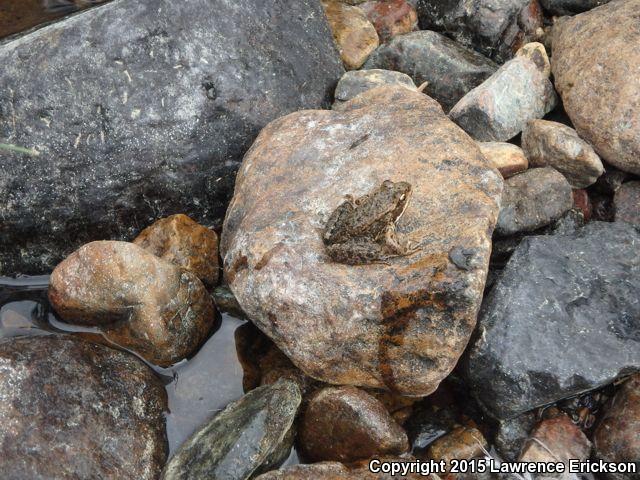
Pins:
x: 595, y: 65
x: 401, y: 325
x: 570, y: 7
x: 71, y: 409
x: 141, y: 109
x: 562, y: 319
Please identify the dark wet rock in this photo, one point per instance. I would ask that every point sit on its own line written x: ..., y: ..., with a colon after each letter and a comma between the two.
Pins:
x: 427, y: 424
x: 509, y: 159
x: 355, y: 35
x: 512, y: 434
x: 391, y: 17
x: 489, y: 26
x: 347, y: 424
x: 227, y: 302
x: 533, y: 199
x: 595, y: 65
x: 602, y: 207
x: 137, y: 116
x: 399, y: 406
x: 183, y: 242
x: 136, y: 299
x: 462, y: 443
x: 450, y: 69
x: 570, y: 7
x: 355, y: 82
x: 611, y: 180
x: 556, y: 440
x: 555, y: 145
x: 251, y: 435
x: 547, y: 330
x: 627, y: 203
x: 616, y: 438
x: 400, y: 326
x: 500, y: 108
x: 71, y: 409
x: 582, y: 202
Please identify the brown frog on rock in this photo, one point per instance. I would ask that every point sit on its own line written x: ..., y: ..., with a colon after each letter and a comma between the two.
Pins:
x: 363, y: 230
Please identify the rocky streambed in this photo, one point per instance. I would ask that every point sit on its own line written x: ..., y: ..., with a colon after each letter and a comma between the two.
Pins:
x: 280, y: 240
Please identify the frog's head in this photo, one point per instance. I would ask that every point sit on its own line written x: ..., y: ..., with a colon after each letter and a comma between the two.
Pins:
x: 401, y: 194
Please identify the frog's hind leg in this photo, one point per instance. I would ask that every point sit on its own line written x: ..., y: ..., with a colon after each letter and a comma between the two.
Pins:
x: 397, y: 247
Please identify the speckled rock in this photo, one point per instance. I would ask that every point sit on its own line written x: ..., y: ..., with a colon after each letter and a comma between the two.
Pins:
x: 226, y: 301
x: 71, y: 409
x: 400, y: 326
x: 338, y: 471
x: 490, y: 26
x: 509, y: 159
x: 537, y: 53
x: 570, y: 7
x: 533, y: 199
x: 627, y: 203
x: 616, y: 439
x: 136, y: 299
x: 355, y: 35
x: 391, y: 17
x: 183, y: 242
x: 347, y: 424
x: 450, y: 69
x: 500, y: 108
x: 250, y: 436
x: 511, y: 435
x: 355, y: 82
x: 557, y: 440
x: 462, y: 443
x: 596, y: 65
x: 555, y: 145
x: 142, y: 109
x: 547, y: 330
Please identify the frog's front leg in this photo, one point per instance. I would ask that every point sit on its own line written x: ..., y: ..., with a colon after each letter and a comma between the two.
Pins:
x: 358, y: 251
x: 395, y: 246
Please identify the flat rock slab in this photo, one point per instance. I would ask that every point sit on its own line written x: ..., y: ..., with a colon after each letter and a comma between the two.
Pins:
x: 563, y: 319
x: 142, y: 109
x: 400, y: 326
x: 596, y: 65
x: 71, y: 409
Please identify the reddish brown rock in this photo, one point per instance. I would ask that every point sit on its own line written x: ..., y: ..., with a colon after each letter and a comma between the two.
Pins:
x: 183, y: 242
x: 391, y: 17
x: 463, y: 443
x: 509, y: 159
x: 556, y: 439
x: 627, y: 203
x: 347, y: 424
x: 582, y: 202
x: 72, y: 409
x: 354, y: 34
x: 595, y: 65
x: 617, y: 438
x: 136, y: 299
x: 400, y: 326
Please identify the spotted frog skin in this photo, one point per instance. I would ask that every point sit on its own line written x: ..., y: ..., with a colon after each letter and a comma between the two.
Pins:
x: 363, y: 230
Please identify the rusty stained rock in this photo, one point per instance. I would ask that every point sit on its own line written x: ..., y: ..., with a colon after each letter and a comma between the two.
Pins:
x: 462, y: 443
x: 391, y: 17
x: 71, y: 409
x: 136, y: 299
x: 355, y: 35
x: 183, y: 242
x: 400, y: 326
x: 596, y: 65
x: 509, y: 159
x: 347, y: 424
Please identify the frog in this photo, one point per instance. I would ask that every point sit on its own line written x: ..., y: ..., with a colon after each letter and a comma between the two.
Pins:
x: 363, y: 230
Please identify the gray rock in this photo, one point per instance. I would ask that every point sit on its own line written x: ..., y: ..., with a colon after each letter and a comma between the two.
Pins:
x: 595, y: 68
x: 450, y: 69
x: 485, y: 25
x: 570, y: 7
x: 142, y: 109
x: 626, y: 203
x: 355, y: 82
x: 556, y: 145
x: 533, y: 199
x: 248, y: 437
x: 561, y: 320
x: 512, y: 434
x: 71, y: 409
x: 500, y: 108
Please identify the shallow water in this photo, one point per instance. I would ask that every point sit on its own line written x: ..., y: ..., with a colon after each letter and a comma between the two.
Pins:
x: 197, y: 388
